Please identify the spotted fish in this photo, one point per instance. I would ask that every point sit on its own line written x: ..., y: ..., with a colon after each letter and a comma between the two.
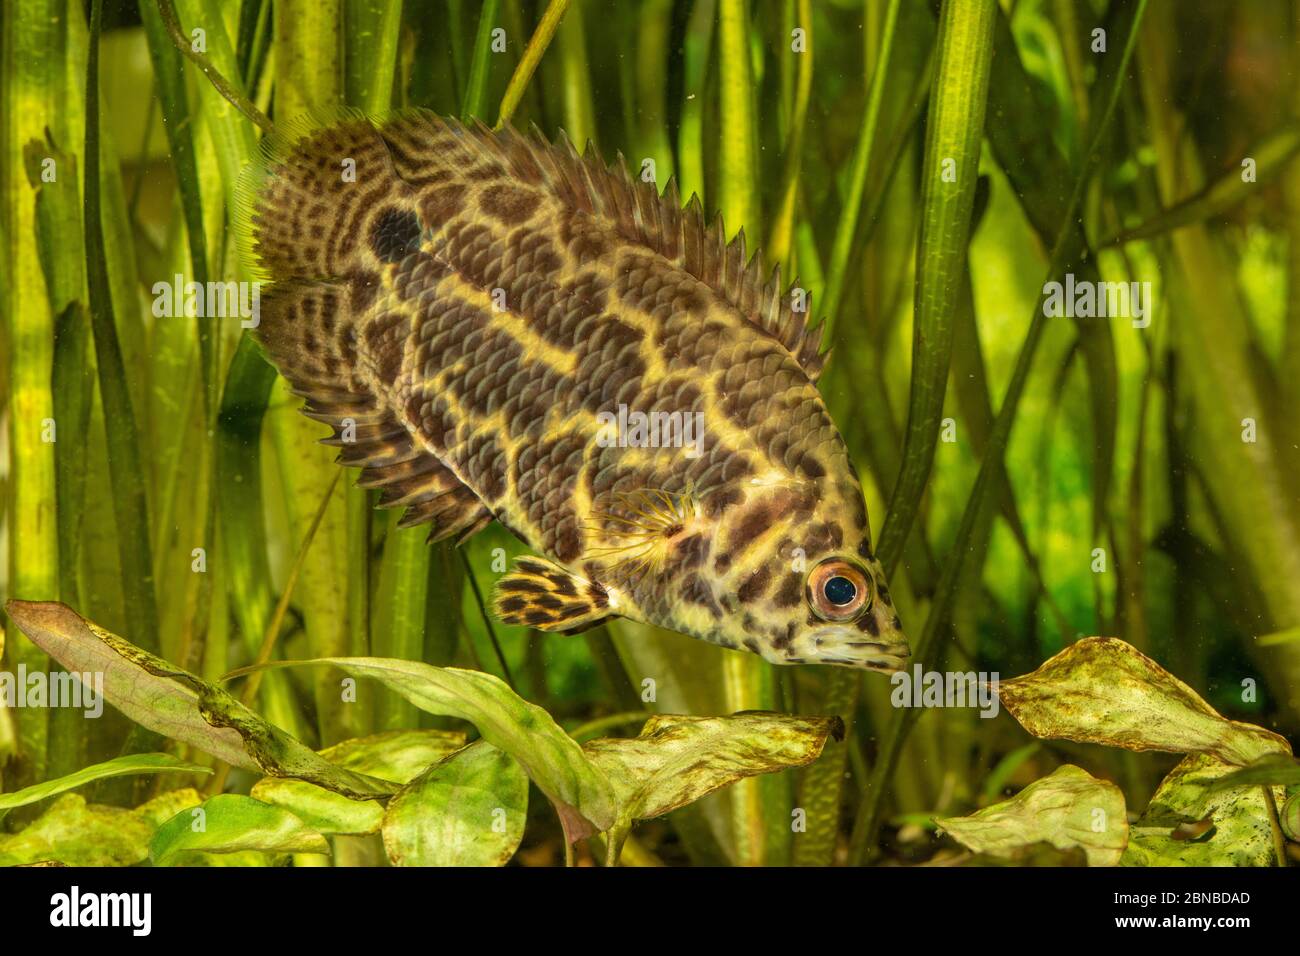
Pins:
x: 497, y: 328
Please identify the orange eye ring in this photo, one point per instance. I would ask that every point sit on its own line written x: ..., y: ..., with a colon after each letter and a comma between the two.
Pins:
x: 838, y: 590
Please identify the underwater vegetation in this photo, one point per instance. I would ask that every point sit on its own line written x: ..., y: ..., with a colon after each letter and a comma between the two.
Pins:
x: 954, y: 343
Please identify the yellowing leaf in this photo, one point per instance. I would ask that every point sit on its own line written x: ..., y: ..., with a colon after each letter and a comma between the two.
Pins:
x: 230, y: 823
x: 1068, y: 808
x: 676, y: 760
x: 398, y: 756
x: 76, y: 833
x: 1193, y: 791
x: 468, y: 810
x: 552, y: 759
x: 1101, y: 690
x: 171, y: 701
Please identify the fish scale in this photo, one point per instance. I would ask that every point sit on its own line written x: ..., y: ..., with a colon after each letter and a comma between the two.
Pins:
x: 470, y: 310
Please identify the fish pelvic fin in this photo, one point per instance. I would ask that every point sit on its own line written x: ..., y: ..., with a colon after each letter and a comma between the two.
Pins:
x: 541, y: 594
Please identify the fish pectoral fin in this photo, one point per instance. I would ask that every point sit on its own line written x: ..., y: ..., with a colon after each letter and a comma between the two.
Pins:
x: 541, y: 594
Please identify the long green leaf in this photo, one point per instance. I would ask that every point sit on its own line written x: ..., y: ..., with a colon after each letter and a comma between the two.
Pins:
x: 866, y: 826
x: 126, y: 466
x: 118, y: 767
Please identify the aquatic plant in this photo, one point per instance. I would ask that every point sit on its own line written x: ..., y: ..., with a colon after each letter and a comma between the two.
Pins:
x: 1054, y: 243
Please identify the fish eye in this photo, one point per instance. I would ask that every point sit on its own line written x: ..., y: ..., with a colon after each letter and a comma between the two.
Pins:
x: 838, y: 590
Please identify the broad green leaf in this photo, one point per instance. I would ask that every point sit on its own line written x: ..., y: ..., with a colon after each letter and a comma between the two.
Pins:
x: 398, y: 756
x: 677, y: 760
x: 1241, y: 834
x: 467, y: 810
x: 230, y: 823
x: 1068, y: 808
x: 77, y: 833
x: 1101, y: 690
x: 173, y: 702
x: 120, y: 766
x: 581, y: 794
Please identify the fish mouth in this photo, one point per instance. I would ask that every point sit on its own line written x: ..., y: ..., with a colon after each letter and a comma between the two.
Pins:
x: 888, y: 658
x: 849, y: 647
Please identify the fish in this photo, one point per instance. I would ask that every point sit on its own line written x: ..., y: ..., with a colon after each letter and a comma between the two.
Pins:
x: 498, y: 328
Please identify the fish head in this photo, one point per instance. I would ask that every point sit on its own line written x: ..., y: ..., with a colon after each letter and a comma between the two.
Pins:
x: 799, y: 583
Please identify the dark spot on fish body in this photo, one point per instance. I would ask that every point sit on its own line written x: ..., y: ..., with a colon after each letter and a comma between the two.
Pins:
x: 719, y: 501
x: 752, y: 525
x: 867, y: 624
x: 755, y: 587
x: 394, y: 234
x: 441, y: 203
x: 696, y: 590
x: 509, y: 204
x: 363, y: 287
x: 782, y: 641
x: 790, y: 593
x: 511, y: 604
x: 568, y: 540
x: 485, y: 172
x: 810, y: 466
x: 691, y: 552
x: 485, y: 466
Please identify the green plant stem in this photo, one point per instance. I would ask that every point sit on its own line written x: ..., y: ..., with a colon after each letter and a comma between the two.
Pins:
x: 847, y: 227
x: 223, y: 86
x: 537, y: 45
x: 476, y: 88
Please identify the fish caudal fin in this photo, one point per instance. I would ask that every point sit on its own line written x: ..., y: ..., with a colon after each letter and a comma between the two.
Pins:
x: 543, y: 595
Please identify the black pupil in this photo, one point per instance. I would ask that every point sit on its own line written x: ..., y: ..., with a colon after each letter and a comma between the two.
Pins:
x: 840, y: 590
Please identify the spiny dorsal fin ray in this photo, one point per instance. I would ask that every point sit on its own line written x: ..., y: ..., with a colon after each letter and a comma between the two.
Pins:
x: 659, y: 223
x: 395, y: 146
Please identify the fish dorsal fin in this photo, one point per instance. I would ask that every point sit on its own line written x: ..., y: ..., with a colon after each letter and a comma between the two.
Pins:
x: 661, y: 224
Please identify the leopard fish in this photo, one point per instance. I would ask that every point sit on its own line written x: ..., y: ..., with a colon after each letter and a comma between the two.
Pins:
x: 499, y: 328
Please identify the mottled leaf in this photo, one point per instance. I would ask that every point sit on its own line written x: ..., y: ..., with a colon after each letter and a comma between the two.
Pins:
x: 1104, y: 691
x: 230, y: 823
x: 1068, y: 808
x: 1240, y: 836
x: 118, y: 767
x: 677, y: 760
x: 76, y: 833
x: 554, y: 761
x: 467, y: 810
x: 397, y: 756
x: 173, y: 702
